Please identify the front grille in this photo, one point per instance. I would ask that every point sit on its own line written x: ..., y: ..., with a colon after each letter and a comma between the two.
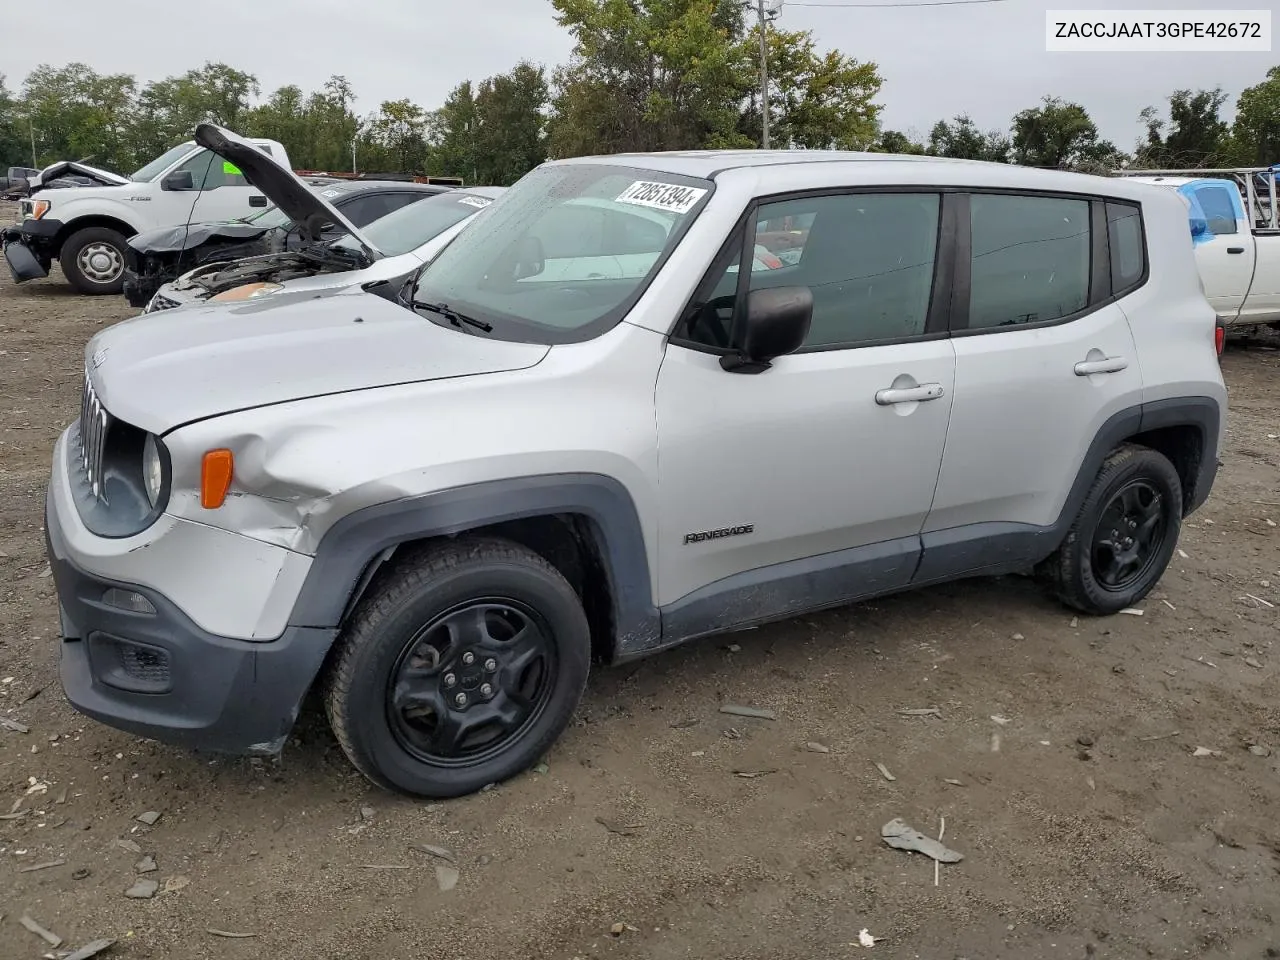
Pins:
x: 159, y: 302
x: 94, y: 423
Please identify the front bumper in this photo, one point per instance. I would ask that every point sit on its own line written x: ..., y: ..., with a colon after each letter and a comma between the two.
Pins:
x: 159, y: 675
x: 148, y: 659
x: 29, y: 249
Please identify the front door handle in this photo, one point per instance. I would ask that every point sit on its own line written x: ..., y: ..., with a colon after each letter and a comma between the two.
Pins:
x: 926, y: 391
x: 1106, y: 365
x: 1235, y: 249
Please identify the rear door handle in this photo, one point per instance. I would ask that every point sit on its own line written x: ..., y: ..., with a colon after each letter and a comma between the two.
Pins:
x: 1235, y: 249
x: 1107, y: 365
x: 926, y: 391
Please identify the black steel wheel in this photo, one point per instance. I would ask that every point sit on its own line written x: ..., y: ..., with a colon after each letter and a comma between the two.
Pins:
x: 1123, y: 536
x: 460, y: 668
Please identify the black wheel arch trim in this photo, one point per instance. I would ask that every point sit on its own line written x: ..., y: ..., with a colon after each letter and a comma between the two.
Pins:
x: 350, y: 552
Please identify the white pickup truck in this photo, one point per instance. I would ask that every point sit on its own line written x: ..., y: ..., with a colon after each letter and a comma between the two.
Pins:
x: 85, y: 228
x: 1239, y: 263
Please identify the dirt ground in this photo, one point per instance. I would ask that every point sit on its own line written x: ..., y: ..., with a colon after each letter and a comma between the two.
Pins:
x: 1093, y: 829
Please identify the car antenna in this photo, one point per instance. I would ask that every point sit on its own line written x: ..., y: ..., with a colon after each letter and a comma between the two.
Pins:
x: 186, y: 230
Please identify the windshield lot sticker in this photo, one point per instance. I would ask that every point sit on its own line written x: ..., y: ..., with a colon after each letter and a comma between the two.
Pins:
x: 230, y: 169
x: 661, y: 196
x: 480, y: 202
x: 330, y: 193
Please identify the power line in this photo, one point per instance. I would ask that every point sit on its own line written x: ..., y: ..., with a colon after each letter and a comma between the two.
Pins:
x: 871, y: 6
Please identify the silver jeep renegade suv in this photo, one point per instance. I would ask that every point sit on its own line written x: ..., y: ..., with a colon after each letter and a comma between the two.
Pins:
x: 584, y: 432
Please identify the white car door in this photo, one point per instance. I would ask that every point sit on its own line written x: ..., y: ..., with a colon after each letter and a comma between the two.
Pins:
x: 1225, y: 251
x: 807, y: 483
x: 221, y: 191
x: 1042, y: 361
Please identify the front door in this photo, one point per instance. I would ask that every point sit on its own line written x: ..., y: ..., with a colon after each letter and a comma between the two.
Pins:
x: 806, y: 484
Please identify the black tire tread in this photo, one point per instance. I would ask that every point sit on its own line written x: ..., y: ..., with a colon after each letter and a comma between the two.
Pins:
x: 411, y: 574
x: 1059, y: 568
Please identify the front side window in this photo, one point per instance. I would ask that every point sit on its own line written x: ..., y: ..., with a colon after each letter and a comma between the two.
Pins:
x: 209, y: 172
x: 1219, y: 209
x: 1030, y: 259
x: 565, y: 251
x: 867, y: 258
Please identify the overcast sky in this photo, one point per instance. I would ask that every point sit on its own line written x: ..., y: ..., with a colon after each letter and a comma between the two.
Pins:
x: 987, y: 60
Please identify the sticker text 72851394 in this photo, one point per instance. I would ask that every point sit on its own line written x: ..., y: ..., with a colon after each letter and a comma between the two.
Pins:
x: 661, y: 196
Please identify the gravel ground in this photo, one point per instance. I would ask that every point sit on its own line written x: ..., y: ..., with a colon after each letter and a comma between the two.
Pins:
x: 1093, y: 830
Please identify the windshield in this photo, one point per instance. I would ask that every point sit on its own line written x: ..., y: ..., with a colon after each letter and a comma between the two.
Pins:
x: 411, y: 226
x: 566, y: 248
x: 161, y: 163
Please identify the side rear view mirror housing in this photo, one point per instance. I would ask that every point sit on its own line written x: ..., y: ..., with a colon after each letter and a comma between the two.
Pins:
x: 178, y: 180
x: 776, y: 324
x: 1199, y: 227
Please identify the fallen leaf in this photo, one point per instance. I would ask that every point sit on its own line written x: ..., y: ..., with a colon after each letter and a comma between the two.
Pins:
x: 884, y: 772
x: 814, y: 747
x: 1205, y: 752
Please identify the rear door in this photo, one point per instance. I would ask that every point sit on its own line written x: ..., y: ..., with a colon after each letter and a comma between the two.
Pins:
x: 1225, y: 254
x: 1044, y: 356
x: 821, y: 468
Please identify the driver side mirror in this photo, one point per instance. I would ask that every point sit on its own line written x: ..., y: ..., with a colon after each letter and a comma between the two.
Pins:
x: 776, y: 324
x: 178, y: 180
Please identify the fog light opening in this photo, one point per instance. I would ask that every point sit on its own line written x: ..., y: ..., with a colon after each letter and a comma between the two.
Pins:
x: 128, y: 600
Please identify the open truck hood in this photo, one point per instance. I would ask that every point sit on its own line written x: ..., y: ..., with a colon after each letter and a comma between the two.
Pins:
x: 283, y: 187
x: 62, y: 168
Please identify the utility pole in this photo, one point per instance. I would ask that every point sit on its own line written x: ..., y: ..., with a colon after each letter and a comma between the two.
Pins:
x: 32, y: 127
x: 764, y: 76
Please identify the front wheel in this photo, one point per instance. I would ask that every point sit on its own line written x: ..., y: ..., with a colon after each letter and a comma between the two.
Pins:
x: 92, y: 260
x: 1124, y: 535
x: 459, y: 670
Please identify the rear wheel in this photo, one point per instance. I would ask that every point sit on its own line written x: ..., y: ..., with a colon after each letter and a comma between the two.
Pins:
x: 463, y: 667
x: 93, y: 260
x: 1124, y: 535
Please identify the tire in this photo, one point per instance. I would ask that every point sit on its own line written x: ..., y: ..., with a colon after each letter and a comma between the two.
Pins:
x: 1083, y: 571
x: 384, y: 654
x: 92, y: 260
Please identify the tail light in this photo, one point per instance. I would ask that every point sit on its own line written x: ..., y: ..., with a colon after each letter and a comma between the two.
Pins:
x: 1219, y: 337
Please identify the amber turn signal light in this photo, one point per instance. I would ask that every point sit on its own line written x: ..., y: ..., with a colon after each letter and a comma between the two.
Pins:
x: 215, y: 478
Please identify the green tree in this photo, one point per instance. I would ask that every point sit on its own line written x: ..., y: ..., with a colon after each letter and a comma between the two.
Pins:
x: 1196, y: 131
x: 650, y: 75
x: 457, y: 126
x: 1060, y: 135
x: 331, y: 127
x: 818, y: 101
x: 15, y: 148
x: 77, y: 114
x: 962, y: 140
x: 395, y: 139
x: 511, y: 124
x: 169, y: 110
x: 894, y: 141
x: 1255, y: 135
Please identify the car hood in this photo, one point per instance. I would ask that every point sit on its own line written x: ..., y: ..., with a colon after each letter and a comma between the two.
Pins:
x: 184, y: 237
x: 161, y: 370
x: 283, y: 187
x: 64, y: 167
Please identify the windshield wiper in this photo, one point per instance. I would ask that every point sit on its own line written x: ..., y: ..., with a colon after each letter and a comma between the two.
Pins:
x: 453, y: 316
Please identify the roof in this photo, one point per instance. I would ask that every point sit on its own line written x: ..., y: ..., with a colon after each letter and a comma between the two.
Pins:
x: 478, y: 191
x: 871, y: 169
x: 1166, y: 181
x: 347, y: 187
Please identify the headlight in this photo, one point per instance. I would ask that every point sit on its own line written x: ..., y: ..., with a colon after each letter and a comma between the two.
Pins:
x: 152, y: 469
x: 39, y: 208
x: 250, y: 291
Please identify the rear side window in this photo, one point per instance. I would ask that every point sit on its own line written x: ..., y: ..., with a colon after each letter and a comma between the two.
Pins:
x: 1030, y: 259
x: 1128, y: 252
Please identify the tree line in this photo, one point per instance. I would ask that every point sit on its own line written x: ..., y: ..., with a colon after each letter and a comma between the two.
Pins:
x: 648, y: 75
